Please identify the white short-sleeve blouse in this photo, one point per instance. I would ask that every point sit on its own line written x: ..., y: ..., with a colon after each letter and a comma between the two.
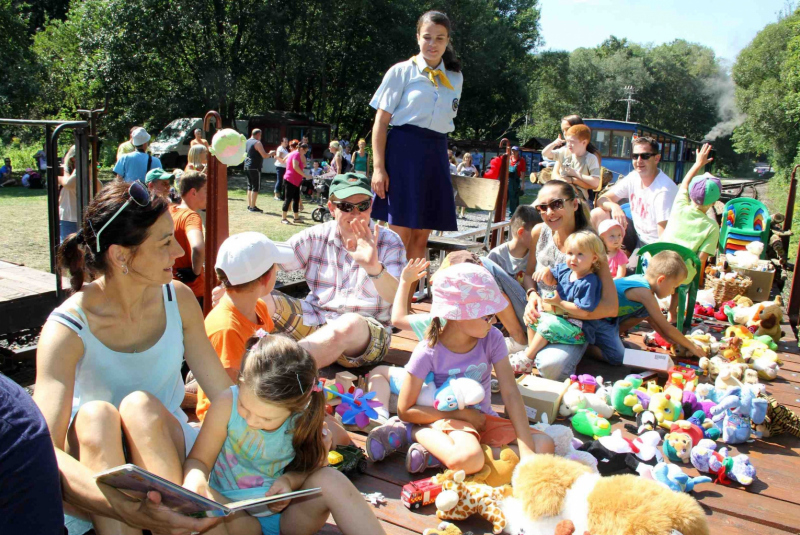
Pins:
x: 408, y: 94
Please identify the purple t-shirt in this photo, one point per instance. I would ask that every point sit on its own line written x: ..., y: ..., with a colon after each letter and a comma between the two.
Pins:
x: 476, y: 364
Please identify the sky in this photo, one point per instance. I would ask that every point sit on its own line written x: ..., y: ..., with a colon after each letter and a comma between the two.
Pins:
x: 726, y: 26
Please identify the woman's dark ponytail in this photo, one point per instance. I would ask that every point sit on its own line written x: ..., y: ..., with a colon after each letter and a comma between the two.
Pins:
x: 451, y: 61
x: 70, y: 257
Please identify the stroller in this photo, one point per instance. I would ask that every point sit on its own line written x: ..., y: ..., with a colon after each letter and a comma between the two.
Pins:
x: 322, y: 185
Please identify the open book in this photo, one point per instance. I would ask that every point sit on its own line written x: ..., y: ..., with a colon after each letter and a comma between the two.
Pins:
x: 131, y: 478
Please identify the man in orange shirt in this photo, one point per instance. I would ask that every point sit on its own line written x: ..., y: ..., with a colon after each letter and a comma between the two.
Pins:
x: 189, y: 232
x: 246, y: 267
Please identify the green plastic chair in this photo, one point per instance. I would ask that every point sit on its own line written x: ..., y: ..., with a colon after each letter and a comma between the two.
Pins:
x: 744, y: 220
x: 686, y: 290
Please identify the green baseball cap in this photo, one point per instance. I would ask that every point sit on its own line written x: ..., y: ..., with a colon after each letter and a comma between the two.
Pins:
x: 349, y: 184
x: 158, y: 174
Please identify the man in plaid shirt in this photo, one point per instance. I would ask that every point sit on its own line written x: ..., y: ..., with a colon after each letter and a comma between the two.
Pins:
x: 353, y: 271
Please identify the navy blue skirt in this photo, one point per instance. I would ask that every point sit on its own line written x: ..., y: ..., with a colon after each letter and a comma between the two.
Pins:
x: 420, y: 192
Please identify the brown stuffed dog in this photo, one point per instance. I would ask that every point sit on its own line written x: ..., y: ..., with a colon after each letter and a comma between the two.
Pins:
x: 549, y: 489
x: 768, y: 319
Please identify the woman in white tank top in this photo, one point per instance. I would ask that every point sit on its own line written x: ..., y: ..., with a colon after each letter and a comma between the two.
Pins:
x: 109, y: 359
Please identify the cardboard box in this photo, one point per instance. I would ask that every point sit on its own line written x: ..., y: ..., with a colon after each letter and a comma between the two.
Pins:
x: 649, y: 360
x: 541, y: 396
x: 762, y: 283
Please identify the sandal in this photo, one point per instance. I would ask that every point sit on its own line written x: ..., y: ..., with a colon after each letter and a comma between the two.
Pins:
x: 419, y: 459
x: 387, y: 439
x: 520, y: 363
x: 285, y: 222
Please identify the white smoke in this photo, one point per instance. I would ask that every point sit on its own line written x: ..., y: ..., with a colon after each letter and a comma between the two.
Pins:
x: 722, y: 88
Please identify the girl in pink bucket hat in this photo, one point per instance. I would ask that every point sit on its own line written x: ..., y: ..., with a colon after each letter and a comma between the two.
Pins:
x: 464, y: 345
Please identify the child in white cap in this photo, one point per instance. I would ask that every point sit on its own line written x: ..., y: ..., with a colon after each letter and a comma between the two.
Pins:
x: 612, y: 234
x: 246, y: 268
x: 467, y: 345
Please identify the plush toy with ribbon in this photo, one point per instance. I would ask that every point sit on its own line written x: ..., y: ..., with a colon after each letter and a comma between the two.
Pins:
x: 706, y: 459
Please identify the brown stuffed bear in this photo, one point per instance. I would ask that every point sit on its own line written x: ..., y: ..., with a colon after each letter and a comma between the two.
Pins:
x: 496, y: 472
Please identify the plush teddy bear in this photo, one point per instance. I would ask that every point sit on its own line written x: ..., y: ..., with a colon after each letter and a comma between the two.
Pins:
x: 496, y: 472
x: 459, y: 500
x: 549, y: 489
x: 574, y: 399
x: 735, y: 412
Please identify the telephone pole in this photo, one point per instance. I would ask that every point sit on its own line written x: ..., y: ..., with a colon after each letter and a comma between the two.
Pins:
x: 630, y: 91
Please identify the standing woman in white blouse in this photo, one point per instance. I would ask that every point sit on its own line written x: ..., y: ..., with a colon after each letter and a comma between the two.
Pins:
x: 419, y: 99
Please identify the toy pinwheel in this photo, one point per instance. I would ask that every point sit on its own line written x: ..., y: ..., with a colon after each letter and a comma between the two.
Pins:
x: 356, y: 408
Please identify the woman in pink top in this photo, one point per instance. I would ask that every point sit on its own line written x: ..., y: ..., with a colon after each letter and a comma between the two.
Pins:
x: 295, y: 163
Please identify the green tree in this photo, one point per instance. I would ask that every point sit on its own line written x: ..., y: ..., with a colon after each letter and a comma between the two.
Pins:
x: 16, y: 87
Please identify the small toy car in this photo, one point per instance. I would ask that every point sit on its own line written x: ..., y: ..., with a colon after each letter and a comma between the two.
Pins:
x: 419, y: 493
x: 348, y: 459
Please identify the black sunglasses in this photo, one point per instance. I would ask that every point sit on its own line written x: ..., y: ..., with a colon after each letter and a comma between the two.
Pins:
x: 347, y: 207
x: 553, y: 205
x: 643, y: 155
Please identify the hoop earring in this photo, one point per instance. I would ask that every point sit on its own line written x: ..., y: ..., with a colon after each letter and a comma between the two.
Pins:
x: 124, y: 269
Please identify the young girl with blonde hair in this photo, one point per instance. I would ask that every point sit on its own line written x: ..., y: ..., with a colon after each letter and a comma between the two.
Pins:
x: 578, y: 289
x: 266, y: 436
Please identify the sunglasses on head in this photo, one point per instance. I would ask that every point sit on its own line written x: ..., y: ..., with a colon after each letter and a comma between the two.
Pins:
x: 348, y: 207
x: 556, y: 204
x: 643, y: 155
x: 139, y: 194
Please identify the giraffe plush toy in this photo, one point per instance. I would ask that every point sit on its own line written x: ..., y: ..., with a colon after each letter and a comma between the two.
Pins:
x: 459, y: 500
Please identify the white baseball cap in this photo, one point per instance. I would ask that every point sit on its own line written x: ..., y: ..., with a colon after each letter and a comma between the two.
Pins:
x: 607, y: 225
x: 246, y: 256
x: 139, y: 137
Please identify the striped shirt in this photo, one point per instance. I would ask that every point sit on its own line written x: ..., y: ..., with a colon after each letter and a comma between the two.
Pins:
x: 337, y: 284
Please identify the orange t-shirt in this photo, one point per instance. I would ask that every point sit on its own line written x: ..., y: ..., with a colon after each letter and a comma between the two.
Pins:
x: 186, y: 220
x: 229, y: 330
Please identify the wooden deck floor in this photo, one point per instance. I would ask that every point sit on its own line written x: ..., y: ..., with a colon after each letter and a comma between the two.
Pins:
x: 27, y: 296
x: 770, y: 506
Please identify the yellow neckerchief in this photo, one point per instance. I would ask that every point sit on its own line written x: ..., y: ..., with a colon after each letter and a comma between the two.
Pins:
x: 434, y: 75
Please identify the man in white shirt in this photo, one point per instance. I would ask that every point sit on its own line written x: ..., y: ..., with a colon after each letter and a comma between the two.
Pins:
x: 649, y: 191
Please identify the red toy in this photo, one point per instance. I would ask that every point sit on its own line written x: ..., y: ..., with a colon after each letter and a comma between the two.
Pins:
x: 586, y: 383
x: 419, y: 493
x: 700, y: 310
x: 686, y: 376
x: 720, y: 313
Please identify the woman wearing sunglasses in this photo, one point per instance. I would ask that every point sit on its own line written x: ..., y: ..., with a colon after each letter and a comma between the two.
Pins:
x: 562, y: 215
x: 109, y: 359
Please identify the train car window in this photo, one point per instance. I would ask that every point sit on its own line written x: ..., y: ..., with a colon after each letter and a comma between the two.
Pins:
x: 621, y: 144
x: 319, y: 135
x: 602, y: 140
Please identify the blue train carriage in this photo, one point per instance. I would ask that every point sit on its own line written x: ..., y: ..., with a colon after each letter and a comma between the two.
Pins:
x: 613, y: 139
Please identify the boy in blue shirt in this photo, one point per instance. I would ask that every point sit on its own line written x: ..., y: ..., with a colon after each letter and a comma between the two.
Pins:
x: 638, y: 296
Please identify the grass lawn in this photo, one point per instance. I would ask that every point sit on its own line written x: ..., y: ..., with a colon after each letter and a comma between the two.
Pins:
x: 23, y: 219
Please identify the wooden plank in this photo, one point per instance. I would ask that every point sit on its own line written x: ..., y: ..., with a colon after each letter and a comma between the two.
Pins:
x: 721, y: 524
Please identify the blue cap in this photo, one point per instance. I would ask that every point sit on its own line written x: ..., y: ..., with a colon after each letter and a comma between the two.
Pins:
x: 515, y: 148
